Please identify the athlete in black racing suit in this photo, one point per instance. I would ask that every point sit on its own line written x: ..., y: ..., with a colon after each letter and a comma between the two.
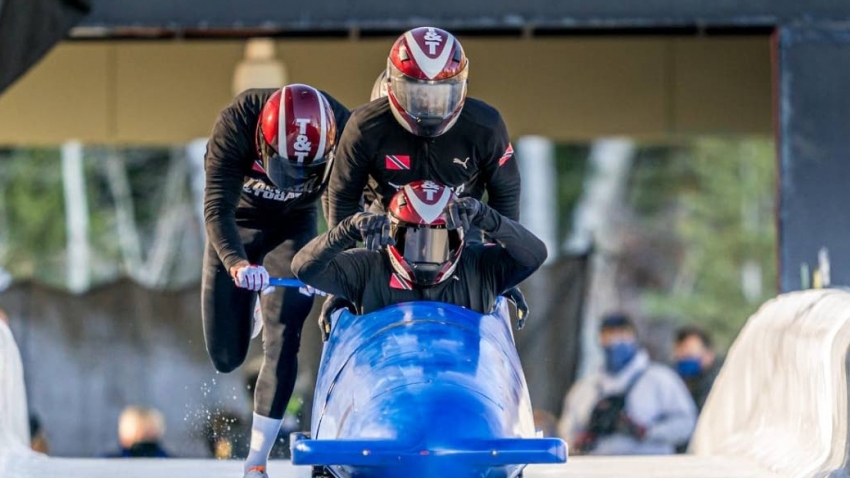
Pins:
x: 425, y: 128
x: 266, y: 166
x: 416, y: 252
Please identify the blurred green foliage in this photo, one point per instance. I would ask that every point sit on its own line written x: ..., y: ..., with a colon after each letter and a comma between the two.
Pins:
x: 32, y: 209
x: 32, y: 214
x: 717, y: 197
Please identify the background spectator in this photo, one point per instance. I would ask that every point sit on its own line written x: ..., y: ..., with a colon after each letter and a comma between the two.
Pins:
x: 696, y: 362
x: 38, y: 437
x: 227, y: 436
x: 632, y: 407
x: 140, y: 431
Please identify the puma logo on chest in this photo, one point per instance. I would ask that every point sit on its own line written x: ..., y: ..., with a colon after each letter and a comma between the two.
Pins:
x: 462, y: 163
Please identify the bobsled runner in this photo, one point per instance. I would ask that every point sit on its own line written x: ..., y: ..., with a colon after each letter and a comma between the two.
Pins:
x: 422, y: 390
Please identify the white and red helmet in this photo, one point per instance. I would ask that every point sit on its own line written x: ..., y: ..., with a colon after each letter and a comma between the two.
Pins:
x: 296, y: 135
x: 425, y: 251
x: 427, y: 71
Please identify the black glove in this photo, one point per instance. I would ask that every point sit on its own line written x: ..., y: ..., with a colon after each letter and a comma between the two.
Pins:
x: 331, y: 305
x: 515, y: 295
x: 461, y: 212
x: 373, y: 229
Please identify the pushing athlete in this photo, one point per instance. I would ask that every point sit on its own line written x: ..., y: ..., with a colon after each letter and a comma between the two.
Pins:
x: 425, y: 128
x: 266, y: 165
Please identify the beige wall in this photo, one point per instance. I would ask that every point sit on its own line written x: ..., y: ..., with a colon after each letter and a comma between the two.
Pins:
x: 569, y: 89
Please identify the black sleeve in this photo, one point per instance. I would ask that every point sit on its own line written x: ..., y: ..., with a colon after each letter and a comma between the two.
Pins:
x: 341, y: 115
x: 349, y: 174
x: 326, y: 264
x: 226, y: 163
x: 501, y: 173
x: 516, y: 254
x: 326, y: 205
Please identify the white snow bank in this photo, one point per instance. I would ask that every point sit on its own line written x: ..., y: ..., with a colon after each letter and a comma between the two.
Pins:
x: 14, y: 420
x: 780, y: 400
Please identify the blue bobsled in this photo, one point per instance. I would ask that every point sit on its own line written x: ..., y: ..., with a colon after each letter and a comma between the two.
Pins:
x: 423, y: 390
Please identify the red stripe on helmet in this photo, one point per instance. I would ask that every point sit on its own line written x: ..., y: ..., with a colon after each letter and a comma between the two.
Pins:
x: 399, y: 264
x: 269, y: 119
x: 399, y: 282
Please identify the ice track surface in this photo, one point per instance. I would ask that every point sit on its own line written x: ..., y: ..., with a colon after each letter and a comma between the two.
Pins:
x: 32, y: 466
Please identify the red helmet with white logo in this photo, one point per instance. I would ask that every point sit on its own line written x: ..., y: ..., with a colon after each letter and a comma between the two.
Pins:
x: 425, y: 251
x: 296, y: 135
x: 427, y: 72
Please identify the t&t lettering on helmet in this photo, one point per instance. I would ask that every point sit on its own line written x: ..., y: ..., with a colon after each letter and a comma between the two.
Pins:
x: 430, y: 189
x: 302, y: 125
x: 433, y: 40
x: 296, y: 134
x: 302, y: 144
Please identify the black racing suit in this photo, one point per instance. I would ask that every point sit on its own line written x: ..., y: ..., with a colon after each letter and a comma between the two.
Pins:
x: 366, y: 278
x: 247, y: 218
x: 376, y: 153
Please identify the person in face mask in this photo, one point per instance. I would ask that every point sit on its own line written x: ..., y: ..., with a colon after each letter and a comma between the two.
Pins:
x: 632, y: 406
x: 696, y: 362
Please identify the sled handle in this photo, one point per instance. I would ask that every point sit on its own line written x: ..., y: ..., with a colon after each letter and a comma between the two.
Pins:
x: 283, y: 282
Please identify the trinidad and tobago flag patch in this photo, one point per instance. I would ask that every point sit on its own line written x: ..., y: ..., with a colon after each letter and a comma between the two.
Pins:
x: 397, y: 162
x: 509, y: 153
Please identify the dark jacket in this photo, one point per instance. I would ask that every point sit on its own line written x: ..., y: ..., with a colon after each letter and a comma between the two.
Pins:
x: 141, y: 450
x: 377, y: 154
x: 367, y: 280
x: 701, y: 385
x: 237, y: 191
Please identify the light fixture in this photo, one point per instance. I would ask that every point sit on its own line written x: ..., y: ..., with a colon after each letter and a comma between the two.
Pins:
x: 260, y: 68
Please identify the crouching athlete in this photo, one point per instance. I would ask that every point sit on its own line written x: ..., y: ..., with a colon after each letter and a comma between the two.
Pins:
x: 417, y: 252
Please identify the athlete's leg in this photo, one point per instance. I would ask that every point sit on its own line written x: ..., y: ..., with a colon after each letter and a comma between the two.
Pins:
x: 284, y: 312
x: 226, y: 309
